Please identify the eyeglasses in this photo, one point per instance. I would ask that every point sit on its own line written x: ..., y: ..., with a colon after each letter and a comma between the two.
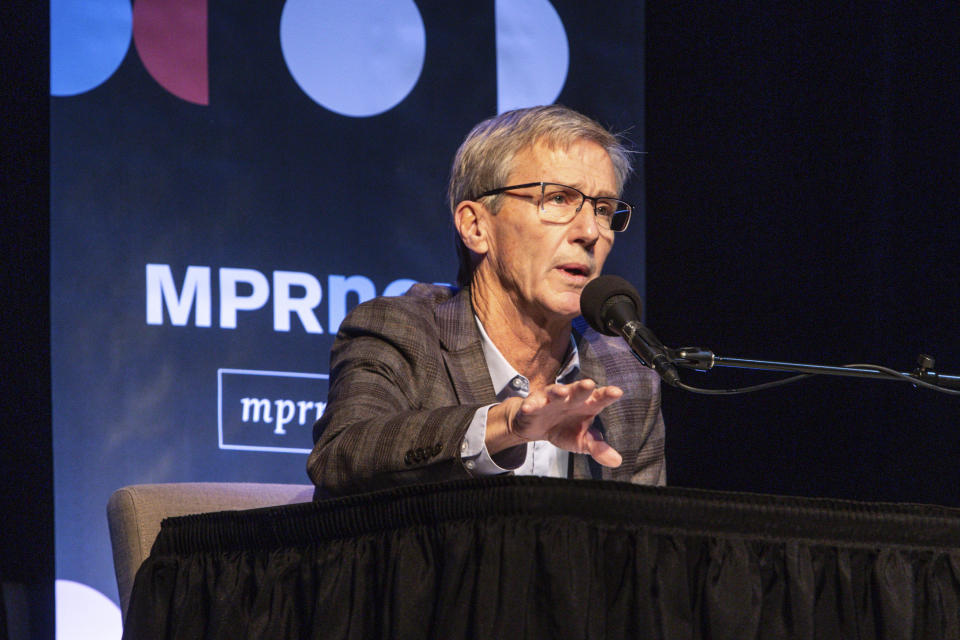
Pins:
x: 560, y: 203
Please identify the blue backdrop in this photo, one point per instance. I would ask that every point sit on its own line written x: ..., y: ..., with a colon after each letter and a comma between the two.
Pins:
x: 226, y: 183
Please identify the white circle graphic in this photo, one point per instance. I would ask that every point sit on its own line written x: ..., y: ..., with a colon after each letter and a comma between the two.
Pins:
x: 533, y: 54
x: 354, y: 57
x: 83, y: 613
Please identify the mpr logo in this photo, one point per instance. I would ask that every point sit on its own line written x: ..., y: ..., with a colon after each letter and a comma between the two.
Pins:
x: 269, y: 410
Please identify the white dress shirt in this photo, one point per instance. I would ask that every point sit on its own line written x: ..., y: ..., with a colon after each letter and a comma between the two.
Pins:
x: 542, y: 459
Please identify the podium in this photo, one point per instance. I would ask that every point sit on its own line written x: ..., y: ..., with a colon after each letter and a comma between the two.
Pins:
x: 521, y: 557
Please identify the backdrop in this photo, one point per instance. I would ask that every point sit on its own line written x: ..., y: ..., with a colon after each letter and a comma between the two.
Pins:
x: 227, y: 183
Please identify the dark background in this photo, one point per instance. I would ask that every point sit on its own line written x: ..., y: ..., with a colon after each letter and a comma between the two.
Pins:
x: 801, y: 196
x: 802, y: 206
x: 26, y: 465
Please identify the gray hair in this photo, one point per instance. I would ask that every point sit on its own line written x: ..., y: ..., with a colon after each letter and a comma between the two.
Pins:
x: 485, y: 159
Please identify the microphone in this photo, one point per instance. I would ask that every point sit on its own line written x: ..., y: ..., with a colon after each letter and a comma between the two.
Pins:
x: 611, y: 306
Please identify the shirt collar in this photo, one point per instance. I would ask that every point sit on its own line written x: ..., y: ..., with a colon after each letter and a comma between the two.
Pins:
x: 501, y: 372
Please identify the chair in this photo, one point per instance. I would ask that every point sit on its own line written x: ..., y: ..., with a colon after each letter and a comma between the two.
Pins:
x: 134, y: 514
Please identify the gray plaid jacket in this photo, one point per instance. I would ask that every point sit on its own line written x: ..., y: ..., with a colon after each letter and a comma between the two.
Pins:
x: 408, y: 373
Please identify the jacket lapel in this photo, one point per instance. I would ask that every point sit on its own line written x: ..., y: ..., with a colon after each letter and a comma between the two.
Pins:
x: 462, y: 351
x: 590, y: 365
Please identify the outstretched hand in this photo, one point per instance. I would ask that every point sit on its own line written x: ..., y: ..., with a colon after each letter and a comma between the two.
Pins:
x: 563, y: 415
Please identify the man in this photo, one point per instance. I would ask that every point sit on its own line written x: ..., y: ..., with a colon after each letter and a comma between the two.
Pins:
x: 441, y: 384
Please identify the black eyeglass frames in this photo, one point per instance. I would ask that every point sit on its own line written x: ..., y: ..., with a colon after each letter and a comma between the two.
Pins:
x: 561, y: 203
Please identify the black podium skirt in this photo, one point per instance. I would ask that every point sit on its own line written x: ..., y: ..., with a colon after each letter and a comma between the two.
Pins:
x: 538, y: 558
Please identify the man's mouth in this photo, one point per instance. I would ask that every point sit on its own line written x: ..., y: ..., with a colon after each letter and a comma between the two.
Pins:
x: 575, y: 270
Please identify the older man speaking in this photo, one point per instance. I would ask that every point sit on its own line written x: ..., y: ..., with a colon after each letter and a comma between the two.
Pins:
x: 500, y: 376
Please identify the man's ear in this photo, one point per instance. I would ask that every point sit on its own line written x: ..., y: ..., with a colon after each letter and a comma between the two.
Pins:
x: 468, y: 221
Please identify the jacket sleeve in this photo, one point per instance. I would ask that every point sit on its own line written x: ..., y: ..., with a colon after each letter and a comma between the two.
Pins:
x: 392, y: 416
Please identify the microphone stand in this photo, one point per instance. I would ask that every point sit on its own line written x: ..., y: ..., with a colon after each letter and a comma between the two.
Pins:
x: 703, y: 360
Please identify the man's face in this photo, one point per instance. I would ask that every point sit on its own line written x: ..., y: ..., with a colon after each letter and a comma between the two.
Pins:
x: 543, y: 266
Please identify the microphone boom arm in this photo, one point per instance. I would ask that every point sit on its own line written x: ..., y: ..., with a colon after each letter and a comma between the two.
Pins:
x: 704, y: 360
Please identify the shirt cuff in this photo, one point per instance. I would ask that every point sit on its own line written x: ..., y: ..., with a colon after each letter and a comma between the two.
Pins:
x: 473, y: 449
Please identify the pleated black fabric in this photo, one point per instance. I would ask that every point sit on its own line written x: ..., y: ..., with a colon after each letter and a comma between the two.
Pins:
x: 542, y: 558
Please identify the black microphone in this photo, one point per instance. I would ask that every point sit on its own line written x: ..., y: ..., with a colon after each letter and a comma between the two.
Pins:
x: 611, y: 305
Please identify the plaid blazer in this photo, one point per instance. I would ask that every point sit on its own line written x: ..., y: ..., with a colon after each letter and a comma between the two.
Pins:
x: 407, y: 374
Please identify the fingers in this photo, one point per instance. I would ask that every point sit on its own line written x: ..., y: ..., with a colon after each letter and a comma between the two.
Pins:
x: 600, y: 451
x: 576, y: 388
x: 581, y: 398
x: 584, y: 392
x: 561, y: 414
x: 608, y: 395
x: 576, y: 393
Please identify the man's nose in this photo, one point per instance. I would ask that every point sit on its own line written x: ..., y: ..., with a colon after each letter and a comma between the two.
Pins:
x: 584, y: 224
